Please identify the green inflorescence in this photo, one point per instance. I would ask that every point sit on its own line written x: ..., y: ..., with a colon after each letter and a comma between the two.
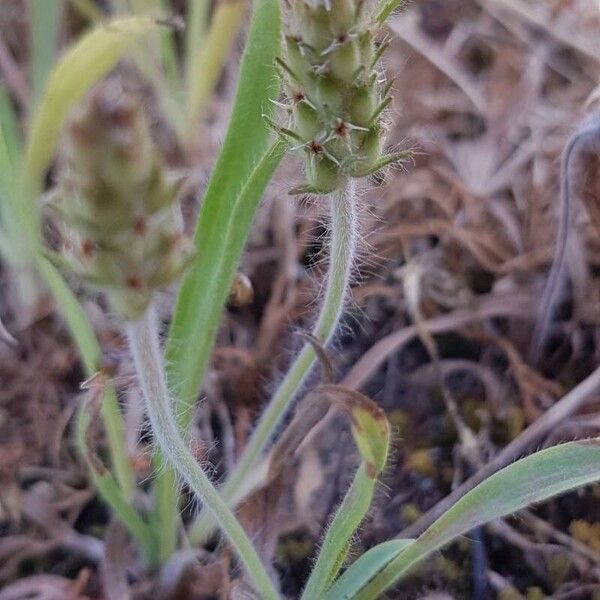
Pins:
x: 335, y: 92
x: 122, y: 232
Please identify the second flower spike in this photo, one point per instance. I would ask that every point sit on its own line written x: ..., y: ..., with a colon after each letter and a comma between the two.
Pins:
x: 122, y: 232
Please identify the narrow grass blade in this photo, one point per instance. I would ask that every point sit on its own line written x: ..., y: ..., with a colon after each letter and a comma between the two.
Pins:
x: 14, y: 246
x: 168, y: 50
x: 530, y: 480
x: 112, y: 492
x: 159, y: 62
x: 195, y: 31
x: 45, y: 20
x: 229, y: 191
x: 10, y: 134
x: 10, y: 158
x: 91, y: 354
x: 371, y: 432
x: 8, y: 141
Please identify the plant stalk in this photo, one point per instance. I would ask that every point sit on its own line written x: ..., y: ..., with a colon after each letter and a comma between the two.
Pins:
x: 145, y: 348
x: 344, y: 234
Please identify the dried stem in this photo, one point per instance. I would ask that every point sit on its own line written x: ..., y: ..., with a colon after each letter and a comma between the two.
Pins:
x: 584, y: 139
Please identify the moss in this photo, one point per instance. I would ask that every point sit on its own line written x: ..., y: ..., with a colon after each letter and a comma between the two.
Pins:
x: 559, y: 566
x: 588, y: 533
x: 410, y: 513
x: 421, y: 462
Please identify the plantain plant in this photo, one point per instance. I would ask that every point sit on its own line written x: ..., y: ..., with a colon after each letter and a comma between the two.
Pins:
x: 117, y: 206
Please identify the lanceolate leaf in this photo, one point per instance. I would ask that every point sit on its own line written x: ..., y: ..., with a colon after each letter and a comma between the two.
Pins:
x: 204, y: 289
x: 371, y: 432
x: 530, y: 480
x: 217, y: 289
x: 364, y: 568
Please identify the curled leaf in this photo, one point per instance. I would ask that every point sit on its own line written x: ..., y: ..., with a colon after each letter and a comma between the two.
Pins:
x: 371, y: 432
x: 370, y: 427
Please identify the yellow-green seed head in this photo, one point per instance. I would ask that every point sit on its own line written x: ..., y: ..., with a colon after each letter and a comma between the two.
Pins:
x: 335, y: 94
x: 121, y: 228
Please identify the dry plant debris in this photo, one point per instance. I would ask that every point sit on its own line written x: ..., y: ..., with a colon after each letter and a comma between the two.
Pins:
x: 488, y: 94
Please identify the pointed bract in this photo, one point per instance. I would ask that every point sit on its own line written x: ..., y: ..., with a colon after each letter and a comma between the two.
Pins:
x: 336, y: 95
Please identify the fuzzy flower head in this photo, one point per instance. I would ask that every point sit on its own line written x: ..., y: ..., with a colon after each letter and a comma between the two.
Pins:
x: 336, y: 94
x: 121, y: 229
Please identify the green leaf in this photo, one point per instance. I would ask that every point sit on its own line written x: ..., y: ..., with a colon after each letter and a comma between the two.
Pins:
x: 10, y: 158
x: 91, y: 353
x: 10, y: 135
x: 530, y: 480
x: 366, y: 567
x: 371, y: 431
x: 218, y: 283
x: 44, y: 29
x: 77, y: 320
x: 243, y: 169
x: 206, y: 62
x: 111, y: 491
x: 195, y: 32
x: 387, y: 8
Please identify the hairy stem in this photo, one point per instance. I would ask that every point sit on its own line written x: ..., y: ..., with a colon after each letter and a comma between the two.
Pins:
x: 343, y: 247
x: 148, y: 360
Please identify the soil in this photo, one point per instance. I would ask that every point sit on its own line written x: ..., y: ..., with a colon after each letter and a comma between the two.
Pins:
x: 487, y: 94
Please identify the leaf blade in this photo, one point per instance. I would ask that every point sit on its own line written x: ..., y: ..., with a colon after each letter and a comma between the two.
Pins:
x: 45, y: 27
x: 365, y: 567
x: 533, y: 479
x: 91, y: 355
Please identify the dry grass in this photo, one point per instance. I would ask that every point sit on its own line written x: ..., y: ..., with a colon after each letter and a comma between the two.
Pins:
x: 489, y: 92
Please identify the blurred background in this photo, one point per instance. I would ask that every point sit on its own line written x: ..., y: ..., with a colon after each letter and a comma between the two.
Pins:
x: 451, y: 279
